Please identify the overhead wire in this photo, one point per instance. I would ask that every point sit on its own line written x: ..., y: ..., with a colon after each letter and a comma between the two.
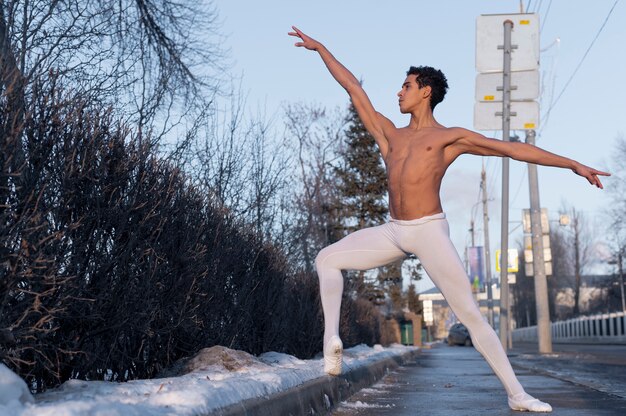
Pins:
x: 545, y: 17
x: 606, y: 19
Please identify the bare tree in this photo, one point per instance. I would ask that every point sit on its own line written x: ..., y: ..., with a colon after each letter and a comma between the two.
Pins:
x: 616, y: 213
x: 313, y: 135
x: 151, y: 60
x: 573, y: 250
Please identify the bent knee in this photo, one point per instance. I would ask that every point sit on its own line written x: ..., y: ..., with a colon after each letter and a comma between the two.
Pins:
x: 323, y: 256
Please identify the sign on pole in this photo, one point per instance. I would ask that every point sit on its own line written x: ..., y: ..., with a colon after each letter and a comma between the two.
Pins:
x: 428, y: 312
x: 476, y: 268
x: 513, y: 261
x: 524, y: 37
x: 524, y: 75
x: 488, y: 115
x: 524, y: 86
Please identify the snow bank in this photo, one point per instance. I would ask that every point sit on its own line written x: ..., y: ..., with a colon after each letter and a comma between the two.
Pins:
x: 215, y: 378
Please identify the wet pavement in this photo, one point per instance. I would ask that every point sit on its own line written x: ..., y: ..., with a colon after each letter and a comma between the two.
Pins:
x: 447, y: 380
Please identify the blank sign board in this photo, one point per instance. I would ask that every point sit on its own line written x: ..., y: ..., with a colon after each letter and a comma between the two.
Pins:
x: 490, y: 35
x: 524, y: 86
x: 487, y: 115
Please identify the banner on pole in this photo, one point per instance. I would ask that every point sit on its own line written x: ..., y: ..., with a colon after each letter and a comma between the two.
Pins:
x: 476, y: 268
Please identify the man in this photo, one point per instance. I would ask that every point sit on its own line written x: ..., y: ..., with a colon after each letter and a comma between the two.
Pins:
x: 416, y: 158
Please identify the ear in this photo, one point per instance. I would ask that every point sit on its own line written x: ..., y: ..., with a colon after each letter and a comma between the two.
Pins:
x: 426, y: 91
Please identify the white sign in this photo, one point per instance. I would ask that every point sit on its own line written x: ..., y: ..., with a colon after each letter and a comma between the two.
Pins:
x: 524, y: 35
x: 428, y: 312
x: 547, y: 254
x: 524, y: 115
x: 545, y: 224
x: 530, y: 271
x: 524, y: 86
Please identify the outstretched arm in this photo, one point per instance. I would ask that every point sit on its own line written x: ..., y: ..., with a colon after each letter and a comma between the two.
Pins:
x: 375, y: 123
x: 466, y: 141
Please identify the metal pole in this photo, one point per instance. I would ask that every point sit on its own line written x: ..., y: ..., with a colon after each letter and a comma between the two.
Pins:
x: 541, y: 283
x: 483, y: 185
x: 504, y: 235
x: 621, y: 280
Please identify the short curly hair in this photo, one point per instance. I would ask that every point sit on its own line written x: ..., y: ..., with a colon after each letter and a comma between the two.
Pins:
x: 433, y: 78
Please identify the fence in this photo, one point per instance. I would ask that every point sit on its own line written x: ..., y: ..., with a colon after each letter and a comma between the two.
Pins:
x: 607, y: 328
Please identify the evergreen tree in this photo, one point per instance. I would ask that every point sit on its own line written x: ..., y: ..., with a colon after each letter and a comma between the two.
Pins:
x: 362, y: 188
x: 362, y: 177
x: 413, y: 302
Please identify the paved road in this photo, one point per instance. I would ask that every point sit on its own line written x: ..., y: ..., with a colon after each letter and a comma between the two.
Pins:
x: 601, y: 367
x: 447, y: 381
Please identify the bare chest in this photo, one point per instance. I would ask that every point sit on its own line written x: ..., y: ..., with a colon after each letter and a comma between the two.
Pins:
x: 403, y: 156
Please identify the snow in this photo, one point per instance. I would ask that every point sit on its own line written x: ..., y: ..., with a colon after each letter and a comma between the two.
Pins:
x: 362, y: 405
x: 13, y: 391
x: 216, y: 378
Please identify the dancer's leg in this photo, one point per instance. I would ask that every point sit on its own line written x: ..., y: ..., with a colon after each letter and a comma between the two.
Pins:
x: 362, y: 250
x: 431, y: 243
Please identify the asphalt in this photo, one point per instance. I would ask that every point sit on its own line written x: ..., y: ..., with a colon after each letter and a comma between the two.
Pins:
x: 447, y: 380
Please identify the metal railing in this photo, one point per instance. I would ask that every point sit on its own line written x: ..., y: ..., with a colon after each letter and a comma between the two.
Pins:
x: 608, y: 328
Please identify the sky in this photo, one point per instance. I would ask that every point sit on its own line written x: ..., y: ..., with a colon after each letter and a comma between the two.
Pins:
x: 378, y: 41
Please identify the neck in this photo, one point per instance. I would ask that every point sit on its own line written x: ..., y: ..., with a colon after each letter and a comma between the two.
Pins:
x: 423, y: 118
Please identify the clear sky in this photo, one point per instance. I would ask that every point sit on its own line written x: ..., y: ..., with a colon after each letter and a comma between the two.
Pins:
x: 378, y: 41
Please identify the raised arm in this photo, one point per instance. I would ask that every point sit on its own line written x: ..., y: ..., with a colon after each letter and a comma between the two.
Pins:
x: 375, y: 123
x: 466, y: 141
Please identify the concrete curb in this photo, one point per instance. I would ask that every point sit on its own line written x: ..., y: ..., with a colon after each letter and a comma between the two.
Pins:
x: 318, y: 396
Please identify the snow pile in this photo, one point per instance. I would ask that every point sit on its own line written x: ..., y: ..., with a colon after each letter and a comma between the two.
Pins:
x: 13, y: 391
x: 217, y: 377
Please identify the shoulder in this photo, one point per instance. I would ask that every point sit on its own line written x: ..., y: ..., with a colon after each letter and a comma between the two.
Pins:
x: 456, y: 133
x: 386, y: 125
x: 384, y: 121
x: 452, y: 135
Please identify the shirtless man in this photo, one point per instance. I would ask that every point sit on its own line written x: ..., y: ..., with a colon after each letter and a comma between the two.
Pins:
x: 416, y: 158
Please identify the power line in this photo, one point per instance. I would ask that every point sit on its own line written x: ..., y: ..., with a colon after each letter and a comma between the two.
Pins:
x: 545, y: 17
x: 582, y: 59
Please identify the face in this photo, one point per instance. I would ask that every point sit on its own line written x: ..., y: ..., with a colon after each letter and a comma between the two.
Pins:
x: 411, y: 95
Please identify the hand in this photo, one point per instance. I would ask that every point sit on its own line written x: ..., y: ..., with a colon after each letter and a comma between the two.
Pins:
x: 590, y: 173
x: 308, y: 42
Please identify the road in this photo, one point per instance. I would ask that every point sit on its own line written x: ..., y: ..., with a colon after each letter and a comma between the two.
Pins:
x: 445, y: 381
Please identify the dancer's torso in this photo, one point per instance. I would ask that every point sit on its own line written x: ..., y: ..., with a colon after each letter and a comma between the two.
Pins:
x: 416, y: 162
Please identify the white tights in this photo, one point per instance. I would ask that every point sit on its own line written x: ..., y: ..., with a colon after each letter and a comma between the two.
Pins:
x: 428, y: 238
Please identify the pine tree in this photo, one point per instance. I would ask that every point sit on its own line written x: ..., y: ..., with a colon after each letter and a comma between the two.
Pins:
x: 362, y: 177
x: 362, y: 189
x: 413, y: 302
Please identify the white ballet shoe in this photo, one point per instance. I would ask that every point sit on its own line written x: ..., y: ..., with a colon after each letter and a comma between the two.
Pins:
x: 333, y: 352
x: 526, y: 403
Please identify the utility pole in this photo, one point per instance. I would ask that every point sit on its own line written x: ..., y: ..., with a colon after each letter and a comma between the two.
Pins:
x: 541, y: 283
x: 504, y: 235
x: 621, y: 278
x: 576, y: 226
x: 506, y: 90
x: 483, y: 185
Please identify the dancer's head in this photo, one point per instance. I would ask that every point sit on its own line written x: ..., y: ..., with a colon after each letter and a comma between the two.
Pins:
x: 431, y: 85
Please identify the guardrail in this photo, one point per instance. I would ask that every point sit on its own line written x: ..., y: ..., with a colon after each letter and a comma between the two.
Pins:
x: 608, y: 328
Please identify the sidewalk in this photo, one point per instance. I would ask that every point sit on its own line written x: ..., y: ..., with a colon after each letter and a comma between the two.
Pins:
x: 447, y: 380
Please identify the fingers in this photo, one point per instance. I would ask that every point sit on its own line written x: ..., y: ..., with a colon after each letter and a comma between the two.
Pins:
x: 594, y: 180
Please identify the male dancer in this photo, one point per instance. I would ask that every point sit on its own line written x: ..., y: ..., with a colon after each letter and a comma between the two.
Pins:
x: 416, y: 158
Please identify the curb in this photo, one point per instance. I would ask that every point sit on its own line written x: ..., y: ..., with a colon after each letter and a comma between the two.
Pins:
x: 317, y: 396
